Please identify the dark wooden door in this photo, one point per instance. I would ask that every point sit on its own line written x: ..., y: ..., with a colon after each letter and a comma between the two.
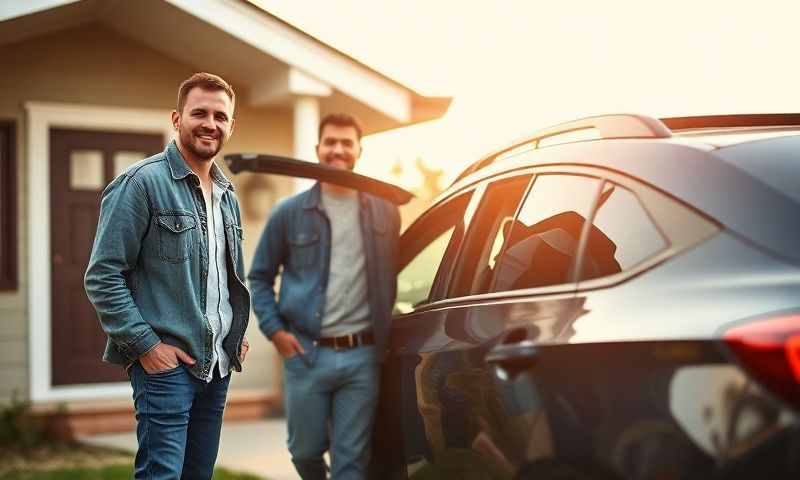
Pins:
x: 82, y: 163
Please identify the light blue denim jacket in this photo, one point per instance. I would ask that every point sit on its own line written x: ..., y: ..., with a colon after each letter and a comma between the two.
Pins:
x: 298, y: 238
x: 147, y: 273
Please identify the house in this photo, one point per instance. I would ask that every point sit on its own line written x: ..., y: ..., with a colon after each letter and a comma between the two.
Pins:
x: 87, y: 87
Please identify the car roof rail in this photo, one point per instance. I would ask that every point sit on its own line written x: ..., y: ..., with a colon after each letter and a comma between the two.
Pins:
x: 729, y: 121
x: 619, y: 125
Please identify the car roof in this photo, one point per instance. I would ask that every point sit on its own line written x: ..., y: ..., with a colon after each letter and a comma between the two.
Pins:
x: 713, y: 130
x: 726, y: 137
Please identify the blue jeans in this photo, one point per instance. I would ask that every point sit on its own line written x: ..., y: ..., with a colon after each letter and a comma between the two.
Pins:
x: 331, y: 405
x: 179, y: 421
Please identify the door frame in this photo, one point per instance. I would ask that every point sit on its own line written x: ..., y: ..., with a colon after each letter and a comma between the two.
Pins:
x: 41, y: 117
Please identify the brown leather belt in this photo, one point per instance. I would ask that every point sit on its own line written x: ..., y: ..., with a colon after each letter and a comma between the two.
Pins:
x: 347, y: 341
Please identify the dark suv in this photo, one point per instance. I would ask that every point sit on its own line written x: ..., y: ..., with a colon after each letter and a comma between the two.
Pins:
x: 616, y: 297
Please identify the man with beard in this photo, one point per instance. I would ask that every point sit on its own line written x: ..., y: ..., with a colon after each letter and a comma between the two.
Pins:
x: 165, y: 279
x: 337, y: 248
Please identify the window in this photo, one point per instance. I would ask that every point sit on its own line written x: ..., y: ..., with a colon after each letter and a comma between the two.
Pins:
x: 543, y: 241
x: 8, y: 207
x: 86, y: 170
x: 622, y: 234
x: 426, y: 248
x: 487, y: 235
x: 124, y: 159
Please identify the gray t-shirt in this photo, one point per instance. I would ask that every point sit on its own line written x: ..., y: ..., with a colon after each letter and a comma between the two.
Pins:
x: 346, y: 306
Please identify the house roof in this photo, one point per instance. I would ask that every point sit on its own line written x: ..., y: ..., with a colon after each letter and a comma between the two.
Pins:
x: 273, y: 60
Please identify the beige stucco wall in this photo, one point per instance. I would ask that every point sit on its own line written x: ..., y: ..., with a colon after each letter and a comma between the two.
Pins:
x: 97, y: 66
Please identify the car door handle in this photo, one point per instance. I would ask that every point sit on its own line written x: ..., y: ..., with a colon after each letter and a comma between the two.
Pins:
x: 518, y: 355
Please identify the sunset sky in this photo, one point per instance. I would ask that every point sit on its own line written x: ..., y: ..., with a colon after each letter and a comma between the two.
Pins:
x: 515, y: 66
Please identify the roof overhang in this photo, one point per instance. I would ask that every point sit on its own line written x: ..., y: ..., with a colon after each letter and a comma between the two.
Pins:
x: 271, y: 60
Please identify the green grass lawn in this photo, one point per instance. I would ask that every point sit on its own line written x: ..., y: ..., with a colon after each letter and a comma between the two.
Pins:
x: 74, y: 461
x: 114, y: 472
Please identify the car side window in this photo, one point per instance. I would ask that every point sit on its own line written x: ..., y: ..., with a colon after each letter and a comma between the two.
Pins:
x: 486, y: 235
x: 542, y: 242
x: 425, y: 249
x: 622, y: 234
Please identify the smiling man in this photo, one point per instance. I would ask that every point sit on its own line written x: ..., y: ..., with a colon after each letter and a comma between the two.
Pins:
x: 165, y: 277
x: 337, y: 248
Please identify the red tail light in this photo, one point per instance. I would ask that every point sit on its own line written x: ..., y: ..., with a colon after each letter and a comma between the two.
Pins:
x: 770, y: 350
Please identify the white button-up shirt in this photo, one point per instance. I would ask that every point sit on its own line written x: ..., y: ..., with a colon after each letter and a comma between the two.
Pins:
x: 218, y: 306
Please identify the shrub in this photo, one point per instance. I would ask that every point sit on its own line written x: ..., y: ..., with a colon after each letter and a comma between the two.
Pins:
x: 19, y: 427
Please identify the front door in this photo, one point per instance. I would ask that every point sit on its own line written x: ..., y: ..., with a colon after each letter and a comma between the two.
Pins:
x: 82, y: 163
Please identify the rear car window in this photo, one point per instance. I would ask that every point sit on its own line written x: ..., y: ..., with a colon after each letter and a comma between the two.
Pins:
x: 622, y: 234
x: 541, y: 244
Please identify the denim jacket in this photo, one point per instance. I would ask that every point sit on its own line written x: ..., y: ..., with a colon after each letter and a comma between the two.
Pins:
x: 298, y: 238
x: 147, y: 273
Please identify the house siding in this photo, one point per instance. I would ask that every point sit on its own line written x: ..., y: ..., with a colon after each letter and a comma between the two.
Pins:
x: 13, y: 303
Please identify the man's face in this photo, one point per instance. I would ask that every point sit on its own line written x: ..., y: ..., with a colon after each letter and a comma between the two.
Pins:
x: 339, y: 147
x: 205, y: 123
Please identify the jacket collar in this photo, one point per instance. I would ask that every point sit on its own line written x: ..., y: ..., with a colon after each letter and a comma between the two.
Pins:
x: 313, y: 198
x: 180, y: 170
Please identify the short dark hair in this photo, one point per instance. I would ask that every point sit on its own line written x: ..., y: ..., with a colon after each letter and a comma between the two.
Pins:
x: 206, y: 81
x: 340, y: 120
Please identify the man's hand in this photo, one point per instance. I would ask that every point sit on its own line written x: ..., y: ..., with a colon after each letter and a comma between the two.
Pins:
x: 244, y: 349
x: 287, y: 344
x: 164, y: 357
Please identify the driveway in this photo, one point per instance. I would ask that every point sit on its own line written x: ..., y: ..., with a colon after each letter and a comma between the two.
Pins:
x: 257, y: 447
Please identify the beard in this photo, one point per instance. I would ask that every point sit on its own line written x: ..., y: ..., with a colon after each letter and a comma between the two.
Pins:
x: 336, y: 160
x: 191, y: 141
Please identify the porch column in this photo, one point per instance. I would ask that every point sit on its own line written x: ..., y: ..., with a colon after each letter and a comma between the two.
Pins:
x: 306, y: 122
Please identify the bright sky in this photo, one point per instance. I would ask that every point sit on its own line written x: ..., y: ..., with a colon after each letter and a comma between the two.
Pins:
x: 515, y: 66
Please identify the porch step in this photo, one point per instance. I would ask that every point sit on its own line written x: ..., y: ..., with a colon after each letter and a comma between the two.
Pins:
x: 67, y: 421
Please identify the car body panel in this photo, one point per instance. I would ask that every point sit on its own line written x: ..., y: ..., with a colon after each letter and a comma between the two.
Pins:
x: 436, y: 374
x: 730, y: 289
x: 594, y: 373
x: 649, y: 409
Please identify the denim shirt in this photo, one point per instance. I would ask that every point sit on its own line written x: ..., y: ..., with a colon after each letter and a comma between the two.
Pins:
x: 147, y: 273
x: 298, y: 238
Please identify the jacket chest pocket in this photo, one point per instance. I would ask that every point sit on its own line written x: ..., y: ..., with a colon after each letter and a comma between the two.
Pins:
x: 235, y: 235
x: 303, y: 249
x: 175, y: 236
